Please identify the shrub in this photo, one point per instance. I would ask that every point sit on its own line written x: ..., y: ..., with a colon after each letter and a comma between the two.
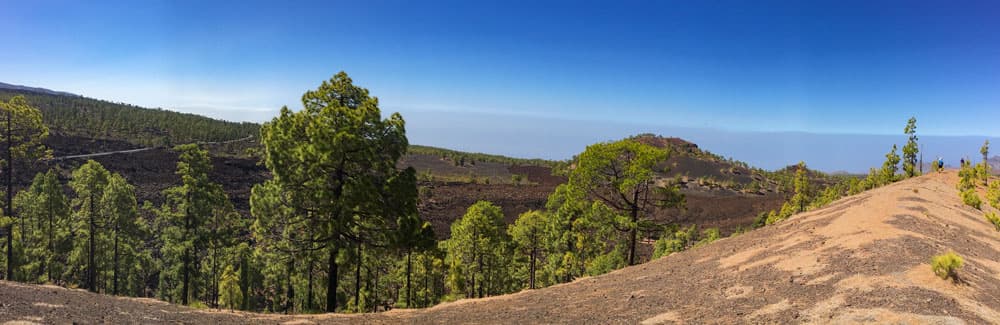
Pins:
x: 946, y: 265
x: 516, y: 179
x: 709, y: 235
x: 994, y: 219
x: 993, y: 195
x: 971, y: 199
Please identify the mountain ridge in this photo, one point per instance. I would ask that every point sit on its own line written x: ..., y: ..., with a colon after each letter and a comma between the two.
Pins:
x: 40, y: 90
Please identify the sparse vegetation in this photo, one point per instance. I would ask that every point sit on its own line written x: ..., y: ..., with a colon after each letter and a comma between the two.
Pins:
x: 947, y: 265
x: 970, y: 198
x: 994, y: 219
x: 466, y: 158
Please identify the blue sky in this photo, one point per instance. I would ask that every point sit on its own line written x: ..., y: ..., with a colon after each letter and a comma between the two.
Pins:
x: 747, y: 67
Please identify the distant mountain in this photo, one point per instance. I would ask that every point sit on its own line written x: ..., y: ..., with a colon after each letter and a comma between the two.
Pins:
x: 36, y: 90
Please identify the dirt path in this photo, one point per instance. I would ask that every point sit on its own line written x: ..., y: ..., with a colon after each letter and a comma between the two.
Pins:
x: 91, y: 155
x: 862, y: 259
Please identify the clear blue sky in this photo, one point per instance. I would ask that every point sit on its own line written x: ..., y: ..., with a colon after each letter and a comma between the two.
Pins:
x: 858, y: 67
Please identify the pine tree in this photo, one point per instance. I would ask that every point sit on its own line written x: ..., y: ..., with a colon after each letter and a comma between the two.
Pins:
x: 335, y: 157
x: 911, y: 148
x: 89, y: 182
x: 528, y: 234
x: 45, y: 206
x: 121, y: 213
x: 21, y: 132
x: 476, y: 250
x: 621, y: 174
x: 232, y: 295
x: 887, y: 174
x: 184, y: 225
x: 984, y: 172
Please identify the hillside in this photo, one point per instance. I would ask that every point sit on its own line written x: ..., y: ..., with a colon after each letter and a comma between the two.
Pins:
x: 863, y: 258
x: 99, y: 119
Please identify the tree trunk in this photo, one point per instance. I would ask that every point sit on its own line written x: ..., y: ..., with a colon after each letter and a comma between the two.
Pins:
x: 215, y: 276
x: 357, y: 280
x: 409, y: 290
x: 185, y: 265
x: 290, y: 293
x: 114, y: 275
x: 331, y: 281
x: 632, y: 235
x: 532, y: 267
x: 374, y: 290
x: 10, y: 202
x: 427, y: 278
x: 52, y: 248
x: 309, y: 290
x: 91, y: 270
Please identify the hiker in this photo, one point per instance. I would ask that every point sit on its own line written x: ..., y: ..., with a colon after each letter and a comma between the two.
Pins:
x: 940, y: 164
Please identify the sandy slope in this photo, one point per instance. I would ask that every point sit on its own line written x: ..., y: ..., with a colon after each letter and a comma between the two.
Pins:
x: 861, y: 259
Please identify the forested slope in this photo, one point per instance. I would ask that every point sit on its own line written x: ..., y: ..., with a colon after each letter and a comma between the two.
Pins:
x: 93, y: 118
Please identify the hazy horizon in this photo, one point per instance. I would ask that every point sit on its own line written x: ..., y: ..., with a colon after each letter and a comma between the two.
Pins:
x: 779, y: 72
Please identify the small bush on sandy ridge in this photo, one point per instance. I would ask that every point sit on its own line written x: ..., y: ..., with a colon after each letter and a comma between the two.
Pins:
x: 971, y: 199
x: 994, y: 219
x: 947, y: 265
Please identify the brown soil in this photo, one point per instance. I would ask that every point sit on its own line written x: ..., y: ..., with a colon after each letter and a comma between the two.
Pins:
x: 863, y: 258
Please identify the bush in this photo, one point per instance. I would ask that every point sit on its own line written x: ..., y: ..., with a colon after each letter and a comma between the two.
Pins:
x: 993, y: 195
x: 994, y: 219
x: 709, y: 235
x: 946, y: 265
x: 971, y: 199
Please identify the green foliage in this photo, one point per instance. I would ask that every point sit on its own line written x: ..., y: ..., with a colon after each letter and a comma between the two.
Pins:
x: 887, y: 174
x: 120, y: 213
x: 605, y: 263
x: 798, y: 202
x: 970, y: 198
x: 984, y: 167
x: 676, y: 240
x: 572, y: 234
x: 994, y: 219
x: 478, y: 253
x: 527, y: 234
x: 44, y: 229
x: 21, y: 135
x: 708, y: 236
x: 336, y: 158
x: 413, y: 234
x: 196, y: 226
x: 947, y: 265
x: 88, y: 182
x: 993, y: 195
x: 148, y: 127
x: 232, y: 294
x: 621, y: 174
x: 966, y: 177
x: 911, y: 149
x: 460, y: 158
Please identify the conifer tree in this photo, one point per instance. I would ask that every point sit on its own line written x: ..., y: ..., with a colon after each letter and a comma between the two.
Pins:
x: 528, y: 234
x: 21, y: 135
x: 476, y: 252
x: 335, y: 157
x: 45, y: 208
x: 184, y: 225
x: 621, y: 174
x: 911, y: 149
x: 121, y: 215
x: 89, y: 182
